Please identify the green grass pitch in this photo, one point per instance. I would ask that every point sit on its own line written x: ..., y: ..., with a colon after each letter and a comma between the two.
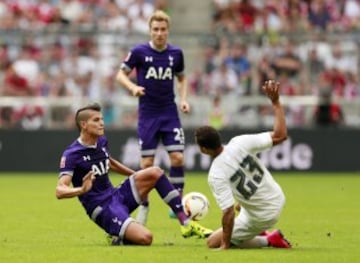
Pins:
x: 321, y: 219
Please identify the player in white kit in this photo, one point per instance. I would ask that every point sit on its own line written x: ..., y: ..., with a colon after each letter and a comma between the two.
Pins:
x: 237, y: 176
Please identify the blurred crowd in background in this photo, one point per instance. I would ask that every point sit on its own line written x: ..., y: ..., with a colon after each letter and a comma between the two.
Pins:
x: 296, y: 42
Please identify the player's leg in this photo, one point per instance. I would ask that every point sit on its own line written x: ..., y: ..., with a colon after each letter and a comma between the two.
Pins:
x: 176, y: 174
x: 246, y: 232
x: 148, y: 142
x: 138, y: 234
x: 114, y: 218
x: 214, y: 240
x: 173, y: 138
x: 143, y: 209
x: 154, y: 177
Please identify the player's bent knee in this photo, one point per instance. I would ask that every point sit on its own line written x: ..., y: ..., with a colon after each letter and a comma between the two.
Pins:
x: 155, y: 172
x: 214, y: 240
x: 212, y: 244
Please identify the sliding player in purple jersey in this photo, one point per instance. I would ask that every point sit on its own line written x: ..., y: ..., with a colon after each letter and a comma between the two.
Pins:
x: 157, y: 64
x: 86, y: 164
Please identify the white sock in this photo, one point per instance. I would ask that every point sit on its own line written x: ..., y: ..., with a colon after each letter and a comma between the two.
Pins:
x: 142, y: 214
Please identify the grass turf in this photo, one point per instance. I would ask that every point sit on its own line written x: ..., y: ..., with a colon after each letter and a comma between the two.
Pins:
x: 321, y: 219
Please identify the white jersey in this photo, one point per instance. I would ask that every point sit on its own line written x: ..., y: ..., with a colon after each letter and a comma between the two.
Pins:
x: 237, y: 174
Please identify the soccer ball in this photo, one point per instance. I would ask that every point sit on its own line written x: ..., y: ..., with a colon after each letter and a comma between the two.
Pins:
x: 196, y: 205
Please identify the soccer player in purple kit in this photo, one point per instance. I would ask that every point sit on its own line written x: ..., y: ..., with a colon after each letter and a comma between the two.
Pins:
x: 157, y: 64
x: 86, y: 164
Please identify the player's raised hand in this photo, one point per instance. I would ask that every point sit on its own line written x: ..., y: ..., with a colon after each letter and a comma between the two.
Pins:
x: 271, y: 89
x: 138, y: 91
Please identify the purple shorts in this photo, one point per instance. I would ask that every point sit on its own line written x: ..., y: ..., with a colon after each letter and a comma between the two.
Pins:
x: 114, y: 217
x: 164, y: 129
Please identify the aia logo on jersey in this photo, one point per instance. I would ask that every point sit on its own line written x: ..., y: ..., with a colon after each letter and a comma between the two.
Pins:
x: 159, y: 73
x: 101, y: 168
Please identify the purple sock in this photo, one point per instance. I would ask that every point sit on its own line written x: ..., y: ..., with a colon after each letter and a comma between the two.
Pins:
x: 171, y: 196
x: 176, y: 177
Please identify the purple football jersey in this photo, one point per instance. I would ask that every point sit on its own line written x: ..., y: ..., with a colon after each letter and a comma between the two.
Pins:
x: 77, y: 160
x: 156, y: 71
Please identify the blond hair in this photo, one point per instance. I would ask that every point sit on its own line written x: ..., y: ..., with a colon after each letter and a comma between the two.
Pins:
x: 159, y: 15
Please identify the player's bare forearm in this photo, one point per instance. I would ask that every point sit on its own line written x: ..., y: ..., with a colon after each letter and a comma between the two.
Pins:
x: 118, y: 167
x: 184, y: 105
x: 123, y: 78
x: 227, y: 224
x: 63, y: 189
x: 279, y: 133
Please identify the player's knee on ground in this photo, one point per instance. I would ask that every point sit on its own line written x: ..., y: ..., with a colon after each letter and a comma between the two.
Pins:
x: 176, y: 159
x: 214, y: 240
x: 211, y: 243
x: 146, y: 238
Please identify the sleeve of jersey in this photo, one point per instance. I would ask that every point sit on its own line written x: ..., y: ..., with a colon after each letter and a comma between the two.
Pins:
x: 180, y: 68
x: 67, y: 165
x: 130, y: 61
x: 254, y: 143
x: 221, y: 192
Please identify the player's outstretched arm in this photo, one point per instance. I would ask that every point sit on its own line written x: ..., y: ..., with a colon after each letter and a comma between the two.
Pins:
x: 64, y: 190
x: 124, y: 80
x: 279, y: 133
x: 118, y: 167
x: 183, y: 89
x: 228, y: 225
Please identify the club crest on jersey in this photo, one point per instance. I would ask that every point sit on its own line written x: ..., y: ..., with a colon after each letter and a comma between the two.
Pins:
x: 171, y: 61
x: 159, y: 73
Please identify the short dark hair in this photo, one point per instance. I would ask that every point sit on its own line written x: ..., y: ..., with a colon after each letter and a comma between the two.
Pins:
x: 208, y: 137
x: 81, y: 115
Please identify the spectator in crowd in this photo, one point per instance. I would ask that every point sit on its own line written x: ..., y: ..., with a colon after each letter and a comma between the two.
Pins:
x: 328, y: 113
x: 139, y: 13
x: 351, y: 14
x: 352, y: 87
x: 223, y: 80
x: 30, y: 117
x: 314, y: 67
x: 245, y: 14
x: 288, y: 63
x: 217, y: 118
x: 238, y: 61
x: 15, y: 84
x: 319, y: 16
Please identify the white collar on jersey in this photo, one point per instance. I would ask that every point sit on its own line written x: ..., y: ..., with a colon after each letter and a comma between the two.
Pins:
x: 153, y: 46
x: 85, y: 145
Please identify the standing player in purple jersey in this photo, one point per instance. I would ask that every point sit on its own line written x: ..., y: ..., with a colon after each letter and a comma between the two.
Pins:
x: 157, y: 64
x: 86, y: 164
